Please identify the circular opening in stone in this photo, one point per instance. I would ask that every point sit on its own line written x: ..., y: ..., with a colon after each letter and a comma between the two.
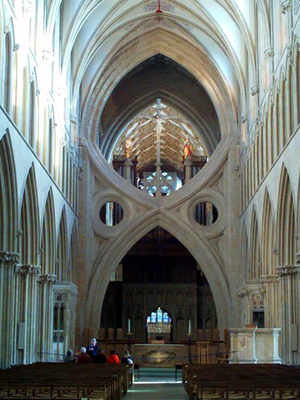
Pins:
x: 206, y: 213
x: 111, y: 213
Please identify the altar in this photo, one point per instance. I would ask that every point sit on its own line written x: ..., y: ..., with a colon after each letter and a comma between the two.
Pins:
x: 159, y: 355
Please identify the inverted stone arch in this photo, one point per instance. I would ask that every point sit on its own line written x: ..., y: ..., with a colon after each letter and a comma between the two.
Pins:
x: 175, y: 48
x: 211, y: 264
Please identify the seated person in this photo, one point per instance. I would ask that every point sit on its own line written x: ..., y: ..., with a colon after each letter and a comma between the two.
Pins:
x: 92, y: 348
x: 83, y: 358
x: 126, y: 359
x: 113, y: 358
x: 99, y: 357
x: 70, y: 356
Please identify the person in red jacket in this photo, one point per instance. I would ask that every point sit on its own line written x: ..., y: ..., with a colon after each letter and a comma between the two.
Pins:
x: 113, y: 358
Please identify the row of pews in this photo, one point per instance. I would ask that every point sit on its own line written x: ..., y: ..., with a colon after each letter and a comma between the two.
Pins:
x: 241, y: 381
x: 66, y: 381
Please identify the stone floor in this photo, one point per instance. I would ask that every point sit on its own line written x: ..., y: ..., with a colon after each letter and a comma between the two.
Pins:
x: 158, y: 384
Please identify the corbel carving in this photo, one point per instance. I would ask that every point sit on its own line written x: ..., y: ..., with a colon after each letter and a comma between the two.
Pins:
x: 244, y: 118
x: 254, y: 90
x: 242, y: 292
x: 269, y: 52
x: 285, y: 5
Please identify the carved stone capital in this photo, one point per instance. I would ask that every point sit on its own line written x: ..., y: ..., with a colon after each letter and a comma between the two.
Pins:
x: 298, y: 258
x: 7, y: 258
x: 28, y: 269
x: 287, y: 270
x: 47, y: 278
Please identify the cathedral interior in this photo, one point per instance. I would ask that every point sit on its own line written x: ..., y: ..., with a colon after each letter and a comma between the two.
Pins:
x: 149, y: 171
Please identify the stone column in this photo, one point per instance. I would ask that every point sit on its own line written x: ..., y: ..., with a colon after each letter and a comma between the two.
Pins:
x: 8, y: 261
x: 289, y: 287
x: 188, y: 169
x: 128, y: 166
x: 46, y: 316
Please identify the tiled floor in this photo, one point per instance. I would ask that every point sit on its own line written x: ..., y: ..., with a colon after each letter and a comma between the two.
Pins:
x: 158, y: 384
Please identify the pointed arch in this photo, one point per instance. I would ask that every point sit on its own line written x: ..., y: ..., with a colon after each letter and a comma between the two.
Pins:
x: 73, y: 257
x: 268, y: 237
x: 62, y: 249
x: 286, y: 221
x: 255, y: 256
x: 48, y: 237
x: 204, y: 254
x: 8, y: 196
x: 29, y: 221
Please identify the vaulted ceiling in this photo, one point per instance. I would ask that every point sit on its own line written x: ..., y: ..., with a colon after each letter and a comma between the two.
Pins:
x: 115, y: 50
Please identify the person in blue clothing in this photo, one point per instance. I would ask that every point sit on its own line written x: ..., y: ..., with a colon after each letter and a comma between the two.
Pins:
x: 92, y: 348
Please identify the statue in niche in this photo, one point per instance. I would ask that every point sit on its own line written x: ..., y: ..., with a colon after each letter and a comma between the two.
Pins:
x: 187, y: 148
x: 127, y: 146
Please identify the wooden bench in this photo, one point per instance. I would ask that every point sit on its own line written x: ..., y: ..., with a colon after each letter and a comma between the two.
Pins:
x: 62, y: 380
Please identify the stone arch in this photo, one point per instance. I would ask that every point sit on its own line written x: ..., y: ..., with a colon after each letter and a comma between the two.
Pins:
x: 8, y: 196
x: 205, y: 256
x: 286, y: 221
x: 255, y: 255
x: 268, y: 237
x: 61, y: 262
x: 48, y: 237
x: 29, y: 221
